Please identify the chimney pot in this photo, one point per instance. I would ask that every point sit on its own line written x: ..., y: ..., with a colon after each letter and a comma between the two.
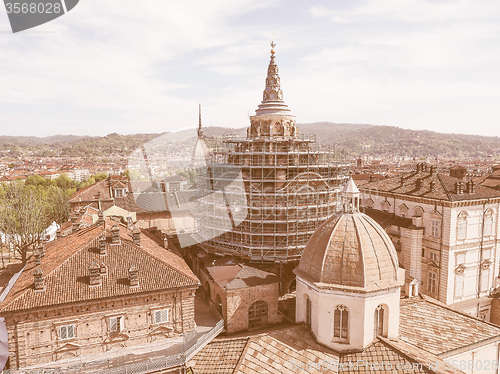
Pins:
x: 58, y: 233
x: 136, y: 236
x: 115, y: 235
x: 41, y: 249
x: 100, y: 217
x: 94, y: 274
x: 102, y: 245
x: 133, y: 276
x: 38, y: 277
x: 38, y: 258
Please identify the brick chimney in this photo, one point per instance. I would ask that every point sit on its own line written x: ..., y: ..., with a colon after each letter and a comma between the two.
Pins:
x: 115, y: 235
x: 133, y: 276
x: 58, y: 233
x: 100, y: 217
x: 459, y: 188
x: 418, y: 183
x: 472, y: 187
x: 38, y: 278
x: 41, y: 249
x: 38, y: 258
x: 136, y: 236
x: 432, y: 169
x: 74, y: 222
x: 102, y: 245
x: 94, y: 274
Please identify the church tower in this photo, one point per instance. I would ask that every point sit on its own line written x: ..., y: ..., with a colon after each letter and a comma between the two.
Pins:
x: 349, y: 280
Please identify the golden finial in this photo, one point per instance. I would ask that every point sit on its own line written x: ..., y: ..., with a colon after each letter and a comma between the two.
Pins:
x: 273, y: 44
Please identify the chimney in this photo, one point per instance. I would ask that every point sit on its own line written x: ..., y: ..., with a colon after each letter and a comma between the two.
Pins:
x: 165, y: 241
x: 94, y: 274
x: 433, y: 169
x: 38, y: 258
x: 58, y: 233
x: 133, y: 276
x: 402, y: 180
x: 418, y: 167
x: 418, y: 183
x: 115, y: 235
x: 41, y: 249
x: 74, y: 222
x: 459, y: 188
x: 100, y: 217
x: 431, y: 186
x: 102, y: 245
x: 136, y: 236
x: 472, y: 187
x: 39, y: 283
x: 103, y: 270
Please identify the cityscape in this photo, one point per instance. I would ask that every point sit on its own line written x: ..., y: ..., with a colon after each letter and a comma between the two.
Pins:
x: 292, y: 241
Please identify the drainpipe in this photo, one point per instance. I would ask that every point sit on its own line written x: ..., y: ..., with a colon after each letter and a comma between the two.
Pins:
x: 481, y: 256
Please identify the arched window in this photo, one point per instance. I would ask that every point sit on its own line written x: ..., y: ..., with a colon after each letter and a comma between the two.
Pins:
x: 340, y: 323
x: 369, y: 203
x: 403, y: 210
x: 257, y: 314
x: 418, y: 212
x: 462, y: 226
x: 378, y: 326
x: 488, y: 223
x: 308, y: 311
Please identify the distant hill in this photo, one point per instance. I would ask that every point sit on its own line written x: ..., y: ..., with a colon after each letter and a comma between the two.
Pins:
x: 388, y: 141
x: 355, y: 139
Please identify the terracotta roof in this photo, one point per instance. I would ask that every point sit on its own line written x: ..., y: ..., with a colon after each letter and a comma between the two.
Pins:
x: 293, y: 349
x: 386, y: 219
x: 90, y: 193
x: 439, y: 329
x: 350, y: 250
x: 65, y: 270
x: 419, y: 184
x: 231, y: 275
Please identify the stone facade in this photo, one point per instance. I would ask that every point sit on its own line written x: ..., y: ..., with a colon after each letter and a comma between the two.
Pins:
x: 35, y: 336
x: 451, y: 243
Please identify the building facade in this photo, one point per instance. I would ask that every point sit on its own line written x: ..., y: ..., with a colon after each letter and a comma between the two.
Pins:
x: 97, y: 289
x: 446, y: 232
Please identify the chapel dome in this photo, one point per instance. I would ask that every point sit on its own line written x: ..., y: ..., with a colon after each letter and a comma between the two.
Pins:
x: 350, y: 250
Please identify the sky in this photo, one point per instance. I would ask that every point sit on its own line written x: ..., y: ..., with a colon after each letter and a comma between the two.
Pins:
x: 143, y: 66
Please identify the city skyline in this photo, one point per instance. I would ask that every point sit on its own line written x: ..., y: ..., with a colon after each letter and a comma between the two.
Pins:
x: 114, y: 67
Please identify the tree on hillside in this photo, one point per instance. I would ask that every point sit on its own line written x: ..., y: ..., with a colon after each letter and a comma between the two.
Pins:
x: 23, y: 216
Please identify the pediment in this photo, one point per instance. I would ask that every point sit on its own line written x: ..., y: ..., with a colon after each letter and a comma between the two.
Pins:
x: 161, y: 330
x: 67, y: 347
x: 115, y: 338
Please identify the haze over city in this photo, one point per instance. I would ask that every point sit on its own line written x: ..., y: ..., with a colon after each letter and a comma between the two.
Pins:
x: 128, y: 67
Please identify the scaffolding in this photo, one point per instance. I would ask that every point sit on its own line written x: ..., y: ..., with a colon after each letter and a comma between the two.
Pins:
x: 287, y: 186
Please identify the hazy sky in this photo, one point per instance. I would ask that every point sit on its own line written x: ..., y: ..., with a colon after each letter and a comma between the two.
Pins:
x: 142, y: 66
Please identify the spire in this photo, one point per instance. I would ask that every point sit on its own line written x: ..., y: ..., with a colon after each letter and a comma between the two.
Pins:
x: 200, y: 130
x: 272, y: 101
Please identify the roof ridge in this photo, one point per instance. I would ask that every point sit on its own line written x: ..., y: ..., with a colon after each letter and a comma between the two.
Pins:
x: 444, y: 187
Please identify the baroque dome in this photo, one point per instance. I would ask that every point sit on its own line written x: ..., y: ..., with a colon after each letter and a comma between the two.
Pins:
x: 350, y: 251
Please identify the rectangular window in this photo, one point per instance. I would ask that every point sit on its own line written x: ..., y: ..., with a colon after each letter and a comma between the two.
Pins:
x: 431, y: 281
x: 459, y: 285
x: 488, y: 226
x: 461, y: 229
x: 433, y: 256
x: 485, y: 279
x: 66, y: 332
x: 435, y: 228
x: 116, y: 324
x: 161, y: 316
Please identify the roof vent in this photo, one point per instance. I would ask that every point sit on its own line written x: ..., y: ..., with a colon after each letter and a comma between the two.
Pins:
x: 39, y: 283
x: 115, y: 235
x: 102, y: 245
x: 133, y: 276
x: 94, y: 274
x: 136, y: 236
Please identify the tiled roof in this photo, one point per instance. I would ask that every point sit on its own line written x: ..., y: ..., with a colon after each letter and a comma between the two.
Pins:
x: 443, y: 187
x: 386, y: 219
x: 65, y: 270
x: 350, y: 250
x: 439, y: 329
x: 91, y: 192
x: 230, y: 275
x: 220, y: 357
x: 293, y: 349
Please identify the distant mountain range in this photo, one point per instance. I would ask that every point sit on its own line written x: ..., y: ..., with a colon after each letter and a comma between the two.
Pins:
x: 355, y: 139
